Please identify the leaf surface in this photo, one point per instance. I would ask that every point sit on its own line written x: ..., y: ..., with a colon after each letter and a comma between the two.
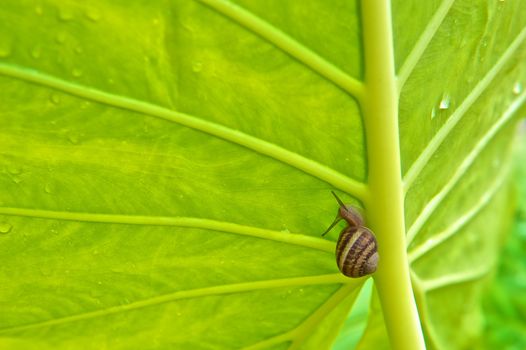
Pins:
x: 165, y: 168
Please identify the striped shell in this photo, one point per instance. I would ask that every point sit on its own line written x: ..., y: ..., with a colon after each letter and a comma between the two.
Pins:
x: 356, y: 252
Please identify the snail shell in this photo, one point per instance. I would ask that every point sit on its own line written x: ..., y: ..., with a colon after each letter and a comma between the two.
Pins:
x: 357, y: 249
x: 356, y: 252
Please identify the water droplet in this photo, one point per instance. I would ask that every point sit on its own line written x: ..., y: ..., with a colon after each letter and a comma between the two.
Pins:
x: 17, y: 179
x: 99, y: 283
x: 111, y: 81
x: 445, y: 102
x: 496, y: 162
x: 13, y: 169
x: 45, y: 271
x: 155, y: 21
x: 55, y: 98
x: 65, y: 14
x: 78, y: 49
x: 433, y: 113
x: 39, y: 10
x: 74, y: 139
x: 36, y: 52
x: 48, y: 188
x: 93, y: 14
x: 197, y: 67
x: 61, y: 37
x: 5, y: 227
x: 517, y: 88
x: 76, y: 72
x: 5, y: 48
x: 96, y: 293
x: 95, y: 252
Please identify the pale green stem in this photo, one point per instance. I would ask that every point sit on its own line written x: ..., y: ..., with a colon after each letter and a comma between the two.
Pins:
x: 385, y: 206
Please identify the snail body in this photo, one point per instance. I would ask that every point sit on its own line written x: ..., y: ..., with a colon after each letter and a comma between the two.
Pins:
x: 356, y: 250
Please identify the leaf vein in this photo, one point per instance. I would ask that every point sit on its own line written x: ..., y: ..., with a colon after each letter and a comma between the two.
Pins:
x: 298, y: 335
x: 423, y: 42
x: 463, y: 168
x: 463, y: 220
x: 456, y: 278
x: 188, y: 222
x: 308, y: 166
x: 457, y: 115
x: 187, y: 294
x: 290, y: 46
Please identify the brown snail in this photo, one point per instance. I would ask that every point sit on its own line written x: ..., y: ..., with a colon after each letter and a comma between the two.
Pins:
x: 356, y: 250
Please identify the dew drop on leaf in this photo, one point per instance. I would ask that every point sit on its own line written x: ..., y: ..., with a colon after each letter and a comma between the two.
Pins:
x: 36, y: 52
x: 74, y: 139
x: 65, y: 14
x: 39, y: 10
x: 433, y: 113
x: 93, y: 15
x: 445, y: 102
x: 197, y: 67
x: 13, y: 169
x: 5, y: 48
x: 517, y: 88
x: 61, y: 37
x: 55, y: 98
x: 48, y: 188
x: 45, y: 271
x: 5, y: 227
x: 76, y: 72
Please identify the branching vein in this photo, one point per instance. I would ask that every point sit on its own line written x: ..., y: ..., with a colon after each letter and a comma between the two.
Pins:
x: 298, y: 335
x: 189, y: 222
x: 322, y: 172
x: 463, y: 220
x: 288, y: 45
x: 422, y: 43
x: 456, y: 278
x: 187, y: 294
x: 453, y: 120
x: 463, y: 168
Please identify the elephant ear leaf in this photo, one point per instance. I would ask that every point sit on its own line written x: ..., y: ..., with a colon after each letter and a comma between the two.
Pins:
x: 166, y: 168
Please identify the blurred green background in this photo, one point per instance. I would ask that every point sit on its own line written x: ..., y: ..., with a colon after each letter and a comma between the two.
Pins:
x: 505, y: 303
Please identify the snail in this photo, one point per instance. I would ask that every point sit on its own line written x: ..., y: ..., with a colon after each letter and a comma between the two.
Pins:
x: 356, y: 250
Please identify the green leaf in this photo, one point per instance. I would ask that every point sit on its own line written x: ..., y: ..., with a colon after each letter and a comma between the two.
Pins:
x: 166, y: 167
